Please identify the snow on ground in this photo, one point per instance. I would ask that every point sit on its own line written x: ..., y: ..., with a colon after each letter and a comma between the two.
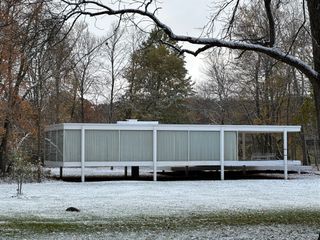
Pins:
x: 134, y: 198
x: 249, y: 232
x: 115, y: 200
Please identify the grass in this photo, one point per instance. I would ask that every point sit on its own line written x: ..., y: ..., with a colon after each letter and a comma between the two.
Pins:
x: 33, y: 225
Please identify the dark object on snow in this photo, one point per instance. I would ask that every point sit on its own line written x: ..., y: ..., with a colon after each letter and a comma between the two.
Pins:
x: 319, y: 237
x: 72, y: 209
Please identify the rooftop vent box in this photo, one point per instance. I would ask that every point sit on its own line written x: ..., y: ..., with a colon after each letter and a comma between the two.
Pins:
x: 136, y: 122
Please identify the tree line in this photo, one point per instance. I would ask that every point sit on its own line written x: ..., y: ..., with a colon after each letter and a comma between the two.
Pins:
x: 54, y: 70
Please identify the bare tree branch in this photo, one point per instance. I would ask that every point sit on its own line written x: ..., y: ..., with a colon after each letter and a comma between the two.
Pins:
x: 208, y: 42
x: 300, y: 28
x: 217, y: 14
x: 147, y: 5
x: 272, y: 32
x: 233, y: 17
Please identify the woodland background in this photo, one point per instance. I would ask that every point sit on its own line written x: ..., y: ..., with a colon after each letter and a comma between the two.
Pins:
x: 54, y: 71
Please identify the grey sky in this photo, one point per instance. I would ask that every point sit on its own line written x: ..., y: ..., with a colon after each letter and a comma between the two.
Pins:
x: 183, y: 16
x: 188, y: 18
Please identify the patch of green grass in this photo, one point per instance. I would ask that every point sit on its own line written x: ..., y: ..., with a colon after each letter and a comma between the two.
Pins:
x: 12, y: 226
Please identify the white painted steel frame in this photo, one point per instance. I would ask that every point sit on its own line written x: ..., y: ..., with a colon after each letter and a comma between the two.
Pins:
x: 154, y: 154
x: 177, y: 127
x: 82, y: 153
x: 259, y: 163
x: 222, y: 154
x: 181, y: 127
x: 285, y: 153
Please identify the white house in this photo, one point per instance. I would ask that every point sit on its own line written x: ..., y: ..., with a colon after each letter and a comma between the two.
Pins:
x: 150, y: 144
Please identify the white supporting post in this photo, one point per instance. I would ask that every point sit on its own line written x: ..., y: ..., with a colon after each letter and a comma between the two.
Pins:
x: 188, y: 146
x: 222, y: 153
x: 82, y: 153
x: 154, y: 155
x: 285, y: 153
x: 119, y: 146
x: 244, y: 146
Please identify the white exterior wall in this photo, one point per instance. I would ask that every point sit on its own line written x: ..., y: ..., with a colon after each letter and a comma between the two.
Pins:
x: 131, y: 144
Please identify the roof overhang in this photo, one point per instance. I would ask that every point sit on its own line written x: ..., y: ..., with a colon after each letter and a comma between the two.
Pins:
x: 176, y: 127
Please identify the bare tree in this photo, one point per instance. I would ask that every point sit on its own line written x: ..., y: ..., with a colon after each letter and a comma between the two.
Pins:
x: 135, y: 39
x: 116, y: 53
x: 266, y: 44
x: 61, y: 65
x: 85, y: 53
x: 21, y: 38
x: 39, y: 77
x: 219, y: 84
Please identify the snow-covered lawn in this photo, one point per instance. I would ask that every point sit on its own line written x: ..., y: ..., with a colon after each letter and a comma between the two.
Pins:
x: 123, y: 198
x: 162, y: 210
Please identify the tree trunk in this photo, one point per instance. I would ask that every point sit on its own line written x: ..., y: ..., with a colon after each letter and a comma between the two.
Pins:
x: 57, y: 99
x: 74, y: 99
x: 314, y: 8
x: 82, y: 92
x: 257, y: 89
x: 39, y: 133
x: 305, y: 158
x: 316, y: 96
x: 82, y: 106
x: 4, y: 146
x: 112, y: 90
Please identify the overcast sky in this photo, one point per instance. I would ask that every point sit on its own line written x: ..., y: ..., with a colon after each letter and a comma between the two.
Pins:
x: 187, y: 17
x: 183, y: 16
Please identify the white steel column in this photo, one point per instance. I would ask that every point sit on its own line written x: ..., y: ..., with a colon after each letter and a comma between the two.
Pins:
x: 82, y: 153
x: 244, y: 146
x: 119, y: 147
x: 154, y: 152
x: 188, y: 146
x: 222, y: 153
x: 285, y: 153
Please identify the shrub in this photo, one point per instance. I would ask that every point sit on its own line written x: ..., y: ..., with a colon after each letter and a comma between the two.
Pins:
x: 22, y: 170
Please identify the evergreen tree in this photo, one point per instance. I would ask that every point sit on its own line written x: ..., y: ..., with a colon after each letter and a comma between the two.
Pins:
x: 158, y: 82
